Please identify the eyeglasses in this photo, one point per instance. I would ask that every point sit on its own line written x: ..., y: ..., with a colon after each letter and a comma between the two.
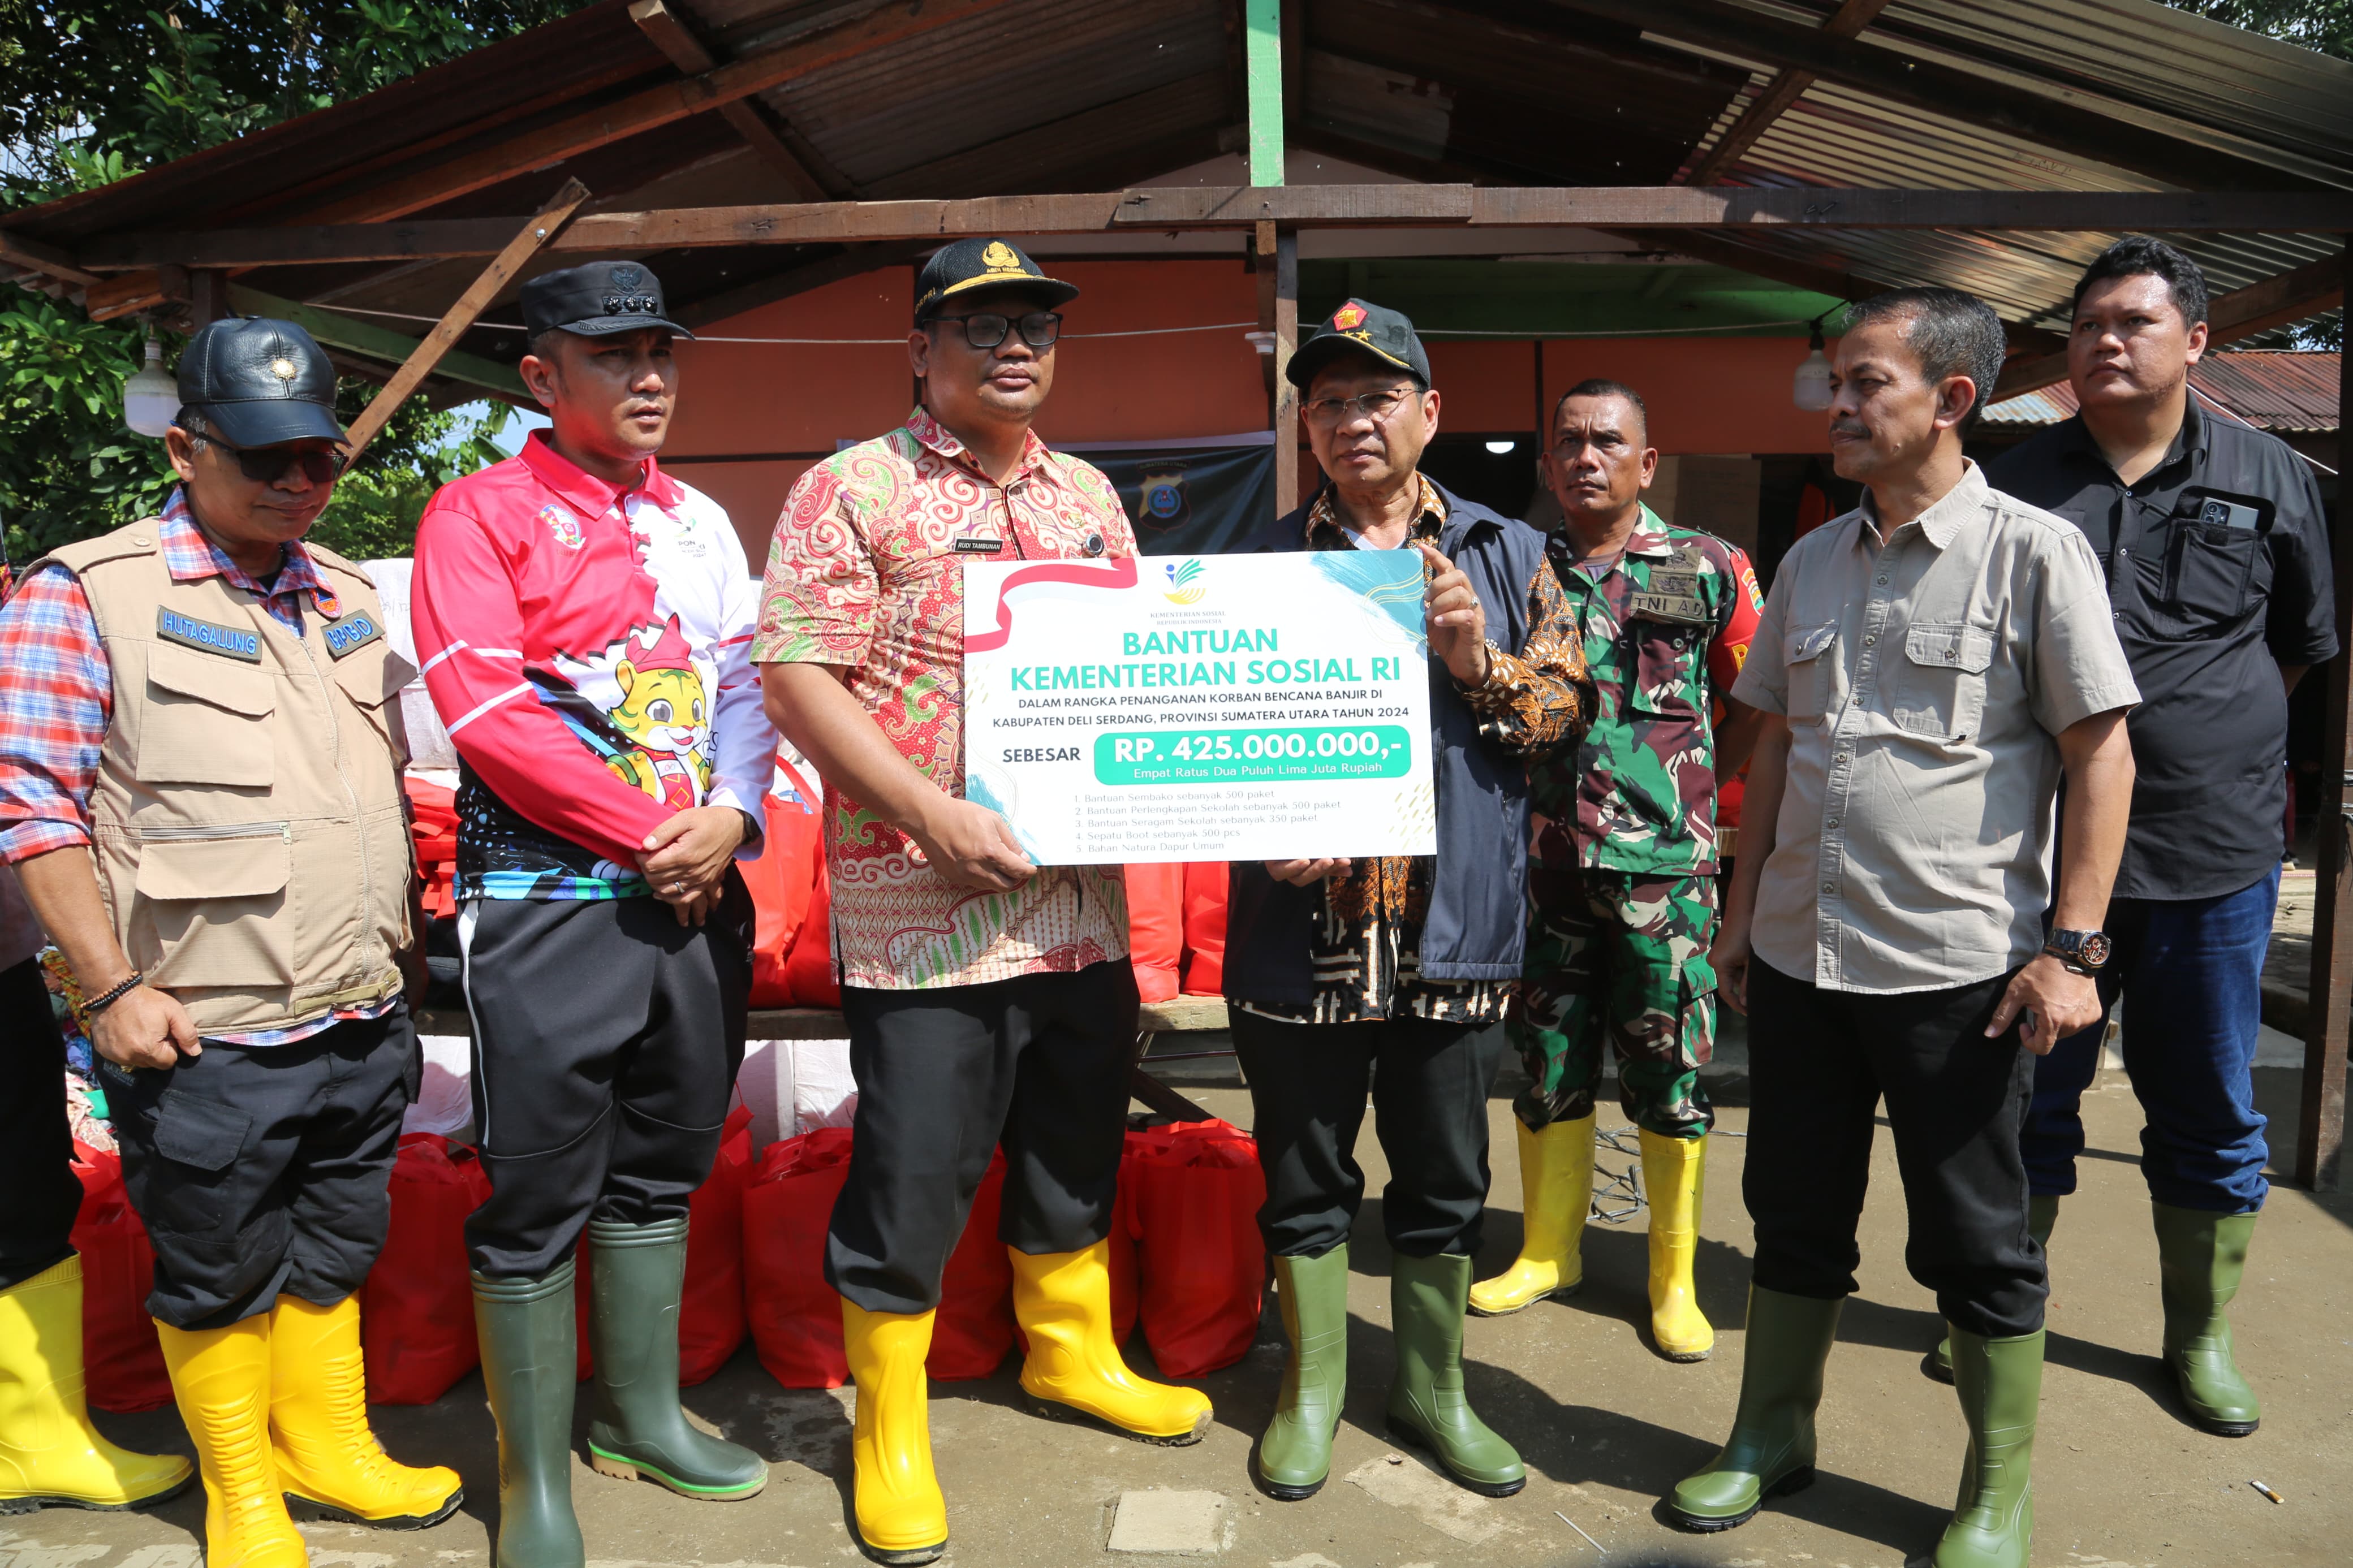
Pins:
x: 986, y: 329
x: 268, y: 465
x: 1331, y: 413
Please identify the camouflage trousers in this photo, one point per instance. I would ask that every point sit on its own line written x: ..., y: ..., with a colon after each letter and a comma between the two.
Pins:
x: 1615, y: 956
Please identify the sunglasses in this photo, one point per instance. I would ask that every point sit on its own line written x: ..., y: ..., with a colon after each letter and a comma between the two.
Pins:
x: 268, y: 465
x: 986, y: 329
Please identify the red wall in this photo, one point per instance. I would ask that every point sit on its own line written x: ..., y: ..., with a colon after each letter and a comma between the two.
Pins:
x: 761, y: 401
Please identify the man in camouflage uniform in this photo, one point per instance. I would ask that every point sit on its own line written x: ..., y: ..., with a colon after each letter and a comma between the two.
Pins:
x: 1622, y: 884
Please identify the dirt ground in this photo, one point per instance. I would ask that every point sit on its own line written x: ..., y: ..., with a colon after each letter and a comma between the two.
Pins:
x: 1604, y: 1423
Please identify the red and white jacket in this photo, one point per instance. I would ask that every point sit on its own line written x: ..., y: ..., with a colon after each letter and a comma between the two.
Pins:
x: 585, y: 647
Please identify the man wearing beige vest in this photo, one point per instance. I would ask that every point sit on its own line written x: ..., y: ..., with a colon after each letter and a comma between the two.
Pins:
x: 200, y: 790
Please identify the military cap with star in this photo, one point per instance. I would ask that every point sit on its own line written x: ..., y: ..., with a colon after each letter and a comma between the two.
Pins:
x: 257, y: 382
x: 595, y: 299
x: 972, y: 264
x: 1362, y: 327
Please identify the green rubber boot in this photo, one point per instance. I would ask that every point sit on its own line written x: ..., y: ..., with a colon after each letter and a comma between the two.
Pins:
x: 2199, y: 1257
x: 2000, y: 1386
x: 2042, y: 1217
x: 1428, y: 1407
x: 530, y: 1366
x: 637, y: 1427
x: 1771, y: 1449
x: 1295, y: 1457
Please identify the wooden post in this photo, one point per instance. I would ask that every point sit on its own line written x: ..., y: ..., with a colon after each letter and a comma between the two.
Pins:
x: 1262, y: 62
x: 1286, y: 396
x: 2320, y: 1140
x: 536, y: 233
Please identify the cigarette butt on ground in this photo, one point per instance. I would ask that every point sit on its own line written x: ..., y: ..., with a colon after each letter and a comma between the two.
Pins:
x: 2267, y: 1491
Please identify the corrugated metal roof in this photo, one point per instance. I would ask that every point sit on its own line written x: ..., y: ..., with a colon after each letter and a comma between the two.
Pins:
x: 2286, y: 392
x: 1040, y: 95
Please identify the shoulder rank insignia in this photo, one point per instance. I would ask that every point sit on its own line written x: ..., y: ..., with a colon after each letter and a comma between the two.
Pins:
x: 352, y: 633
x: 208, y: 637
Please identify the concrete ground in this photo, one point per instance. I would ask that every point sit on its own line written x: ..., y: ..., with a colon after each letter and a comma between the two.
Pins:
x: 1604, y: 1423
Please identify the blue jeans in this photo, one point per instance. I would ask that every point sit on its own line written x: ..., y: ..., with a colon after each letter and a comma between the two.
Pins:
x: 2192, y: 973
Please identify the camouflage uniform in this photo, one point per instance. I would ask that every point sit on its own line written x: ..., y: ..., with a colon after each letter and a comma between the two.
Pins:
x: 1621, y: 885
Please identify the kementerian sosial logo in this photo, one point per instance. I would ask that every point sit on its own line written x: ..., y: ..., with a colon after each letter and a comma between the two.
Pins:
x: 1185, y: 586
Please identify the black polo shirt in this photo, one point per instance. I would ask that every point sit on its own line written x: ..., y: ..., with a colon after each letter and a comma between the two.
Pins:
x: 2218, y: 569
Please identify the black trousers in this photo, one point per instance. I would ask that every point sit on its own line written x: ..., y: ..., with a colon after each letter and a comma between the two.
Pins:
x: 42, y: 1194
x: 1820, y: 1062
x: 263, y: 1170
x: 1429, y: 1082
x: 1038, y: 1064
x: 606, y: 1038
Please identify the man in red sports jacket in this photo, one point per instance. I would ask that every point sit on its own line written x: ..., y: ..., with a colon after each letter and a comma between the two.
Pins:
x: 582, y: 620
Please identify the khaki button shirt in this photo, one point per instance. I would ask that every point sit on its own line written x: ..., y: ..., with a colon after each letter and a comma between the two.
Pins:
x: 1924, y: 675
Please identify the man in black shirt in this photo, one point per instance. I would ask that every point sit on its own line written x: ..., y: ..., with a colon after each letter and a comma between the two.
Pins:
x: 2216, y: 552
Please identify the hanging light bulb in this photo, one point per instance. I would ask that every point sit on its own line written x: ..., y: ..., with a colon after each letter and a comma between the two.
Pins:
x: 151, y: 397
x: 1810, y: 387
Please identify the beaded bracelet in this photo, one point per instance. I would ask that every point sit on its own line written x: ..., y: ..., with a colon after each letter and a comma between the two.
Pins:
x: 113, y: 993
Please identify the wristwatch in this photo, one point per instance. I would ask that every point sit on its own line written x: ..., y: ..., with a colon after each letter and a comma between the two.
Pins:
x: 2085, y: 952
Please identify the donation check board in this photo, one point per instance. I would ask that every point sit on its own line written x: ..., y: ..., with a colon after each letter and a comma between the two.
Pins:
x: 1202, y: 707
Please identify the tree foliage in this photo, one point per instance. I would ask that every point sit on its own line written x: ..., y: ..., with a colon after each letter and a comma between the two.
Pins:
x: 92, y: 92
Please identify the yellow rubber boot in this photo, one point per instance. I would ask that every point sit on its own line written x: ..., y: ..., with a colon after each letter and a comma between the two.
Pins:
x: 221, y: 1379
x: 1555, y: 1196
x: 50, y: 1456
x: 1062, y: 1301
x: 1671, y: 1170
x: 902, y: 1517
x: 327, y: 1455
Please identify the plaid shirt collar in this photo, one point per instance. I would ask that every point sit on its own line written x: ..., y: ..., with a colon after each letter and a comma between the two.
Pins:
x: 191, y: 556
x: 941, y: 439
x: 1326, y: 531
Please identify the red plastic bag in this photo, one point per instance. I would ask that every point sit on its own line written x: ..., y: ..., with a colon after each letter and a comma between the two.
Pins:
x: 1156, y: 927
x: 796, y: 1318
x: 416, y: 1307
x: 711, y: 1314
x: 1194, y: 1191
x: 121, y: 1356
x: 433, y: 822
x: 782, y: 881
x: 973, y: 1328
x: 1205, y: 928
x: 808, y: 968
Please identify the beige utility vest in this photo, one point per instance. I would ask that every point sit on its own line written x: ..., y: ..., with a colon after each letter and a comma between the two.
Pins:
x: 248, y: 819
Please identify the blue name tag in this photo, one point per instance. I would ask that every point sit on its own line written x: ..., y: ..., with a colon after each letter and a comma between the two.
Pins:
x: 356, y: 631
x: 207, y: 637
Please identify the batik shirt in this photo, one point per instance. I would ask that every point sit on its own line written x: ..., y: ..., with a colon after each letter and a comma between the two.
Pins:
x: 1665, y: 628
x: 1367, y: 943
x: 866, y: 572
x: 586, y: 645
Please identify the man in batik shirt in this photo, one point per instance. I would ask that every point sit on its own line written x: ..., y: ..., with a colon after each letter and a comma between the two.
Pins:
x: 988, y: 1001
x: 1622, y: 895
x: 1391, y: 974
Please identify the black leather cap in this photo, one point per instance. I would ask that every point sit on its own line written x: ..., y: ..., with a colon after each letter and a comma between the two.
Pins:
x: 971, y: 264
x: 1367, y: 328
x: 259, y: 383
x: 600, y: 298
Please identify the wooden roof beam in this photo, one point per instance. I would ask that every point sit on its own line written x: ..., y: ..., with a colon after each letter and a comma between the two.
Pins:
x: 522, y: 152
x: 1681, y: 208
x: 766, y: 134
x: 34, y: 256
x: 1780, y: 95
x: 2291, y: 297
x: 2124, y: 136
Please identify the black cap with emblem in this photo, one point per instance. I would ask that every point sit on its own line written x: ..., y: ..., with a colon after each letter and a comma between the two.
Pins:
x: 972, y: 264
x: 600, y: 298
x: 257, y: 382
x: 1362, y: 327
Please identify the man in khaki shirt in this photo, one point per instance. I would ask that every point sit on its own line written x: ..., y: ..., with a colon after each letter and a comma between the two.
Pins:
x: 1929, y: 663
